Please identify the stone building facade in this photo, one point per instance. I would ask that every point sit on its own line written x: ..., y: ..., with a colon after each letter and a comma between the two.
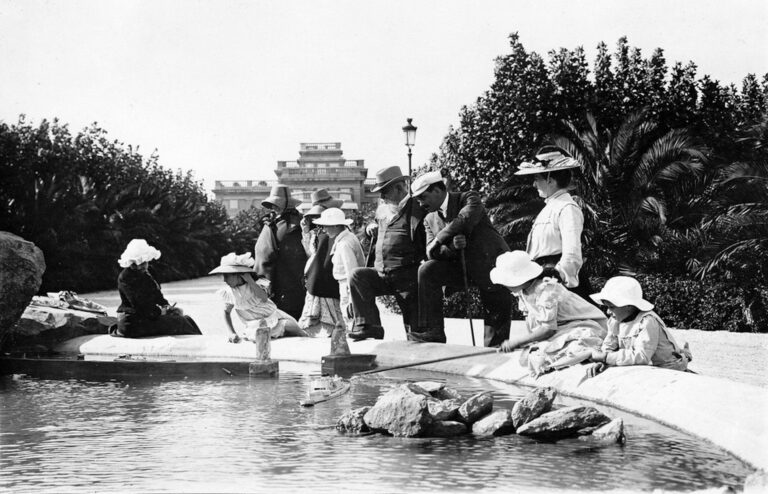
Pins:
x: 321, y: 165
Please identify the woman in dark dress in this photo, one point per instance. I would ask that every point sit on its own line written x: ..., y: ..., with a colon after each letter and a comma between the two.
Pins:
x: 143, y: 310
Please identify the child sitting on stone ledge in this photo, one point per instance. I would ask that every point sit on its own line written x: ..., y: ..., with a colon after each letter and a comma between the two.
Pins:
x: 636, y: 334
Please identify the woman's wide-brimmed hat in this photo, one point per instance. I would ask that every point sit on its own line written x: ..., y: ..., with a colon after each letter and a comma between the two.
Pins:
x: 387, y: 176
x: 622, y: 291
x: 331, y: 217
x: 514, y: 269
x: 548, y: 159
x: 323, y: 198
x: 233, y: 263
x: 138, y: 252
x: 280, y: 196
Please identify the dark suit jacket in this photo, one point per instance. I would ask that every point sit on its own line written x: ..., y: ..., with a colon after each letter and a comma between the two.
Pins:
x: 466, y: 215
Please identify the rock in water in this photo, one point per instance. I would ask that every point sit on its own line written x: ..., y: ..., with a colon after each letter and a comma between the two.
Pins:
x: 21, y: 273
x: 447, y: 393
x: 402, y: 412
x: 352, y: 421
x: 476, y: 407
x: 533, y: 404
x: 612, y: 432
x: 562, y: 423
x: 40, y: 329
x: 447, y: 428
x: 431, y: 387
x: 443, y: 409
x: 498, y: 423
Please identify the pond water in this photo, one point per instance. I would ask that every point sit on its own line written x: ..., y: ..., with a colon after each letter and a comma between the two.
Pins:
x: 250, y: 434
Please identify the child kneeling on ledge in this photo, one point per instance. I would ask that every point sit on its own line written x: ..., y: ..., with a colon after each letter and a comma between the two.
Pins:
x: 249, y: 299
x: 636, y: 334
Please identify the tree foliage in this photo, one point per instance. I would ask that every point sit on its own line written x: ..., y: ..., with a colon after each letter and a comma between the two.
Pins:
x: 81, y: 198
x: 674, y: 163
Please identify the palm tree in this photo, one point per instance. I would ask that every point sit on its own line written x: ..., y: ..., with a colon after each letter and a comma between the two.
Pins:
x: 634, y: 184
x: 733, y: 232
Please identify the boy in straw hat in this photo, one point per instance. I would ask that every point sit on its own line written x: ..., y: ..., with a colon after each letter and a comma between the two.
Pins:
x: 249, y: 300
x: 399, y: 249
x: 636, y: 334
x: 279, y: 253
x: 555, y: 237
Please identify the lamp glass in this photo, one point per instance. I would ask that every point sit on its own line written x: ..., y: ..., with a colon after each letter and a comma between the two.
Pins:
x: 410, y: 133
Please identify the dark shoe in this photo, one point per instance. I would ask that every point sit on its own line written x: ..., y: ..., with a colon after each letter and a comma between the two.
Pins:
x: 375, y: 332
x: 434, y: 336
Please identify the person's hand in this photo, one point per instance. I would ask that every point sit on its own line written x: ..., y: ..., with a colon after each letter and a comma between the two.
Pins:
x: 459, y: 242
x: 304, y: 225
x: 433, y: 249
x: 595, y: 369
x: 234, y: 338
x: 372, y: 229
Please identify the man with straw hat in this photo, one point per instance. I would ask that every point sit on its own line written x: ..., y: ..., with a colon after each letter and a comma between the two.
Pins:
x: 279, y: 253
x: 462, y: 246
x: 399, y: 249
x: 555, y: 237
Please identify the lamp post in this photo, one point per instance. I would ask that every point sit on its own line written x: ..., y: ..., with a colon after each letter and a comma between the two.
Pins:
x: 410, y: 139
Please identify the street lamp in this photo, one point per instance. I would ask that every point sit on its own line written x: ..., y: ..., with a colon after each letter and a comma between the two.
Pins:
x: 410, y: 139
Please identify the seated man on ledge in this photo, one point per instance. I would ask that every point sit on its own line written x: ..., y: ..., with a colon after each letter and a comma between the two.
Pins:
x: 399, y: 249
x: 457, y: 225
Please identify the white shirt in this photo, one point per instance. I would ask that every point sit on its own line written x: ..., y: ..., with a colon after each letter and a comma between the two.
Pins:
x: 557, y: 231
x: 444, y: 206
x: 346, y: 255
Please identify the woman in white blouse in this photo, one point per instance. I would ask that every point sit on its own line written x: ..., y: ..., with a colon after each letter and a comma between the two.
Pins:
x: 555, y: 238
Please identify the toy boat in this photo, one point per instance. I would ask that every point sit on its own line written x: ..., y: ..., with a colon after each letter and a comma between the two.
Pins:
x: 324, y: 389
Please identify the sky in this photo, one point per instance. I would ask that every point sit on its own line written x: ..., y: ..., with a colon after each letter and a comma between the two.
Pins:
x: 226, y: 88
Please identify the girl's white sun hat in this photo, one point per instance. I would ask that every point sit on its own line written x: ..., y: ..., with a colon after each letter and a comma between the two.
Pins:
x: 514, y: 269
x: 332, y: 217
x: 622, y: 291
x: 138, y: 251
x: 232, y: 263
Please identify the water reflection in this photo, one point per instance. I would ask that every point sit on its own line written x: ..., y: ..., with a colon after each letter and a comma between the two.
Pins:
x: 251, y: 435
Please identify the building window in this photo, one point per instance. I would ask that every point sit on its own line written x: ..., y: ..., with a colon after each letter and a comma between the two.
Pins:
x: 321, y: 165
x: 233, y: 204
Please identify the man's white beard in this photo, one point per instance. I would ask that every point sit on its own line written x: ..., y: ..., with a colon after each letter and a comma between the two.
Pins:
x: 386, y: 211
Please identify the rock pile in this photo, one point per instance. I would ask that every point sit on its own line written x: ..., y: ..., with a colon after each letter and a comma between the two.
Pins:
x: 430, y: 409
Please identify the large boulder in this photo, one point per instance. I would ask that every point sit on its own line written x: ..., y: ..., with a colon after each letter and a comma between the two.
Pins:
x: 533, y: 404
x: 476, y: 407
x: 498, y: 423
x: 40, y: 329
x: 566, y: 422
x: 402, y: 412
x: 21, y: 273
x: 352, y: 421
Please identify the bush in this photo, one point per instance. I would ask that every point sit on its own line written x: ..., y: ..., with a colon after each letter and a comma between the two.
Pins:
x: 694, y: 304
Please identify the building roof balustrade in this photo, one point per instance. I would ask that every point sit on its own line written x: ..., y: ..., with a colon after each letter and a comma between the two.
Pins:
x: 320, y: 146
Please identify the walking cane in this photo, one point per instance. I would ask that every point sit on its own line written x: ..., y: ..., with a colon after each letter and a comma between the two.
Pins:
x: 469, y: 297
